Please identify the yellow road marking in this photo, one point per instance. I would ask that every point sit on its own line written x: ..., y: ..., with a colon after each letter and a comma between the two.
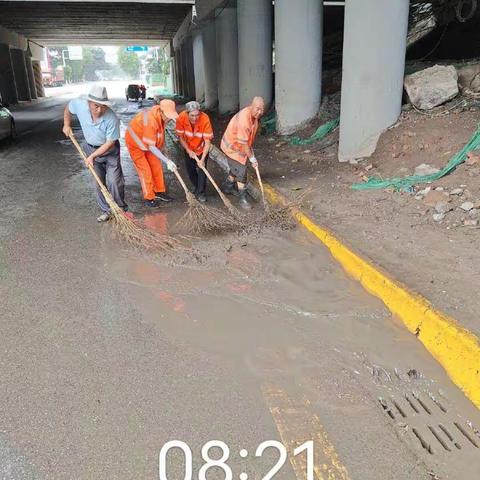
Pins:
x: 296, y: 425
x: 454, y: 347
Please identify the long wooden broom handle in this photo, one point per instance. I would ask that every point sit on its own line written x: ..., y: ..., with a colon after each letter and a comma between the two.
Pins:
x: 259, y: 178
x: 182, y: 183
x: 82, y: 154
x: 225, y: 200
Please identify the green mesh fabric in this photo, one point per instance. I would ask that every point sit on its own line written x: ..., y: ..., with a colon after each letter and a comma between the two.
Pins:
x: 269, y: 125
x: 406, y: 183
x: 321, y: 132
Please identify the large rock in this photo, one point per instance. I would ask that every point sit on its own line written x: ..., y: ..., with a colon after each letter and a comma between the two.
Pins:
x: 469, y: 78
x: 432, y: 87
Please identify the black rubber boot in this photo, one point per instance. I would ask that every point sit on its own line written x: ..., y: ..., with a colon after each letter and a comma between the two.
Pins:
x: 229, y: 187
x: 244, y: 203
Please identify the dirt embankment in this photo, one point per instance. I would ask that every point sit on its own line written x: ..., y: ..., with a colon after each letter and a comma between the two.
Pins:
x: 436, y: 255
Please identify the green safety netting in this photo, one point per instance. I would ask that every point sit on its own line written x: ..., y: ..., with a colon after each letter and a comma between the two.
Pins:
x: 406, y: 183
x: 320, y: 133
x: 269, y: 125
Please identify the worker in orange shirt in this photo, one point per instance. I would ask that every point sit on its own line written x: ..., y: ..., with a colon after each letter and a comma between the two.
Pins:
x: 237, y: 143
x: 195, y: 133
x: 145, y: 140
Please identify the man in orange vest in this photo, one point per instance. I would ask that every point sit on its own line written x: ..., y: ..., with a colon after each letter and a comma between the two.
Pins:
x: 195, y: 133
x: 145, y: 140
x: 237, y: 143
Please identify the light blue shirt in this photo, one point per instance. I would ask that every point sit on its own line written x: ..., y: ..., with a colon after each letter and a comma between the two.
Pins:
x: 96, y: 133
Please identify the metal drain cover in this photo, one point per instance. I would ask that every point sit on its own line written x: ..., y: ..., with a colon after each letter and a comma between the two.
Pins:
x: 429, y: 423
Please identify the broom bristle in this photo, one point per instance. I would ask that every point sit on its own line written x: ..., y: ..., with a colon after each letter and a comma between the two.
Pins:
x: 136, y: 234
x: 199, y: 219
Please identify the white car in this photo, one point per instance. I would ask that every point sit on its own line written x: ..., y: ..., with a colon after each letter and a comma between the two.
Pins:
x: 7, y: 123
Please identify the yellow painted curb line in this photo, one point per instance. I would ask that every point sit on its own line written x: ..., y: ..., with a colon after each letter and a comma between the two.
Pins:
x: 454, y: 347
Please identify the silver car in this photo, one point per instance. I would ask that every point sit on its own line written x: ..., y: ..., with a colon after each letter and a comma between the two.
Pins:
x: 7, y: 123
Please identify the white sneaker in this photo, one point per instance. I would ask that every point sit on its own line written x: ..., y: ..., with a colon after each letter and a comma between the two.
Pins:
x: 104, y: 217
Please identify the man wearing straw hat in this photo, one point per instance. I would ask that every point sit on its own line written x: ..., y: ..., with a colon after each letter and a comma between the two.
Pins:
x: 237, y: 143
x: 101, y: 130
x: 145, y: 140
x: 195, y: 133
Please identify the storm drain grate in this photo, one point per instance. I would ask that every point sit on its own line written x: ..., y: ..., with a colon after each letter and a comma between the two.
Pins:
x: 419, y: 413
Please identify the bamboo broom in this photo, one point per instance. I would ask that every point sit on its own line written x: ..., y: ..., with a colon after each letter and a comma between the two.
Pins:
x: 128, y: 229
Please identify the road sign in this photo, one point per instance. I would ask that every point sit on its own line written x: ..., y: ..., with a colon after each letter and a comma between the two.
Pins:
x: 137, y: 48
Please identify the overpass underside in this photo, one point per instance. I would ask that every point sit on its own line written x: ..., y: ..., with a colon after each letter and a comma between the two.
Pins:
x: 235, y: 50
x: 27, y: 26
x: 224, y: 52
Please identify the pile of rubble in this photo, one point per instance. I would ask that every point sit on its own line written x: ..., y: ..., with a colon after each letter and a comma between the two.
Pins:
x: 455, y: 207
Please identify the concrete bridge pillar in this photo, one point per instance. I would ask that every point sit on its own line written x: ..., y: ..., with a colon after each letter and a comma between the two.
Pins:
x: 20, y: 72
x: 30, y: 76
x: 198, y: 67
x: 210, y: 65
x: 298, y: 62
x: 255, y: 18
x: 189, y: 65
x: 373, y: 71
x: 8, y: 87
x: 37, y: 73
x: 182, y: 71
x: 227, y: 60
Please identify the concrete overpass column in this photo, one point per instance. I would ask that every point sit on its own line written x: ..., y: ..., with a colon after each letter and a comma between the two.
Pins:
x: 255, y: 49
x: 37, y: 73
x: 210, y: 65
x: 198, y: 67
x: 8, y: 87
x: 20, y: 72
x: 298, y: 62
x: 373, y: 71
x: 178, y: 72
x: 227, y: 60
x: 30, y: 76
x: 181, y: 70
x: 190, y: 67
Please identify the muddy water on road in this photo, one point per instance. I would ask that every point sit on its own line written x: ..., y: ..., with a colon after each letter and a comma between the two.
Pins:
x: 108, y: 353
x: 278, y: 310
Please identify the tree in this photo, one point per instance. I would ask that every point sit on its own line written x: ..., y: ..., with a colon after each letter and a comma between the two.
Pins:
x: 79, y: 70
x: 68, y: 72
x: 94, y: 59
x: 129, y: 62
x: 159, y: 63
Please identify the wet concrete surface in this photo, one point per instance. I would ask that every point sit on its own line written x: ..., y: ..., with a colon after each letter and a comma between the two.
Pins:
x: 109, y: 353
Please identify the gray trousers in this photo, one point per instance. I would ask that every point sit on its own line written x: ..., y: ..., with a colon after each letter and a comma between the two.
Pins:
x: 109, y: 169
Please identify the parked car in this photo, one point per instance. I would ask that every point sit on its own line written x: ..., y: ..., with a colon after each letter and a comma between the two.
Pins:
x: 7, y: 122
x: 133, y: 92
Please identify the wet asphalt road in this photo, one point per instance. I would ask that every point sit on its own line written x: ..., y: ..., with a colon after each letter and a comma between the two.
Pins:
x: 107, y: 353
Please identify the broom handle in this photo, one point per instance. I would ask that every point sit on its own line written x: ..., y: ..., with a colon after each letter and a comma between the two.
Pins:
x: 182, y: 183
x: 217, y: 188
x: 212, y: 181
x: 82, y: 154
x: 259, y: 178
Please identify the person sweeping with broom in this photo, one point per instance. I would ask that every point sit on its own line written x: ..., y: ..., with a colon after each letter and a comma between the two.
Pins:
x: 101, y: 130
x: 145, y: 140
x: 195, y: 133
x: 237, y: 143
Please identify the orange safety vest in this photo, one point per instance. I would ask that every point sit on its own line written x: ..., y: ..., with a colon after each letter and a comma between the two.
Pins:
x: 241, y: 131
x: 194, y: 135
x: 147, y: 129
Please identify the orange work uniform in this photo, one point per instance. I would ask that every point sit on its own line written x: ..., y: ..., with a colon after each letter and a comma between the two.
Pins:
x: 194, y: 135
x: 241, y: 132
x: 147, y: 129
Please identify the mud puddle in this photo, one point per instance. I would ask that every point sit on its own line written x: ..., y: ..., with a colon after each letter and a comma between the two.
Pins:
x: 277, y: 308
